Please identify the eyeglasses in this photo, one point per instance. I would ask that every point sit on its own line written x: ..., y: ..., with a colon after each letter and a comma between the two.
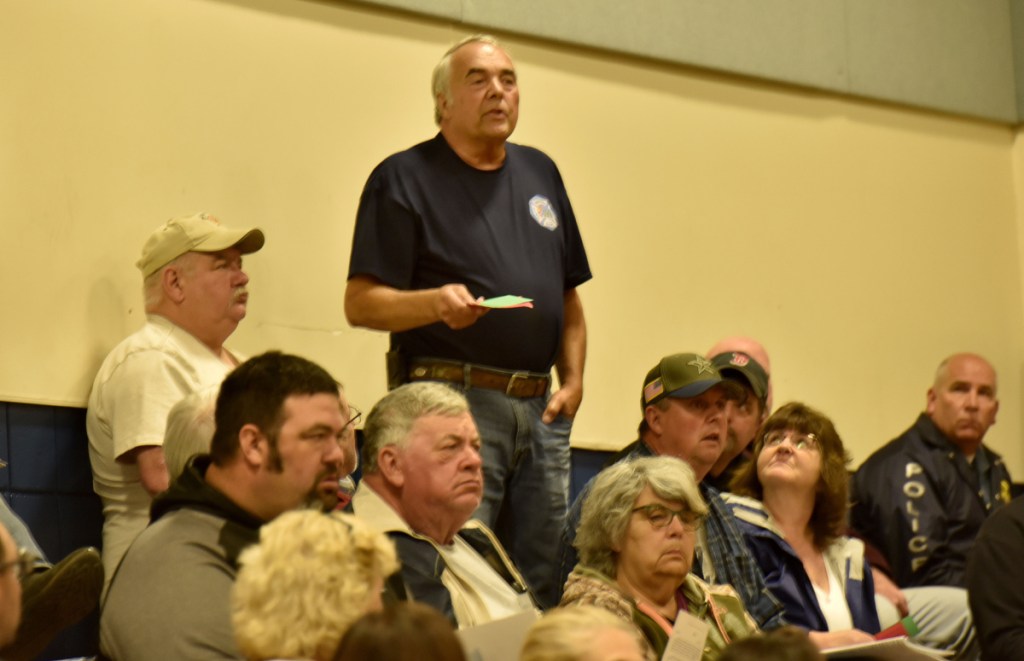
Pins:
x: 660, y: 516
x: 805, y: 442
x: 23, y: 564
x: 357, y: 415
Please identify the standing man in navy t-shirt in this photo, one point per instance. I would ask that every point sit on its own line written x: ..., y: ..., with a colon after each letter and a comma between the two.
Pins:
x: 468, y: 216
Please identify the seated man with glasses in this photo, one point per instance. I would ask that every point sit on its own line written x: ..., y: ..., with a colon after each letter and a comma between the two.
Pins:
x: 281, y: 423
x: 190, y: 430
x: 791, y: 503
x: 53, y: 597
x: 684, y: 403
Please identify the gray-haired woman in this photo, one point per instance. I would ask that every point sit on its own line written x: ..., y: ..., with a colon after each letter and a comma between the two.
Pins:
x: 636, y: 540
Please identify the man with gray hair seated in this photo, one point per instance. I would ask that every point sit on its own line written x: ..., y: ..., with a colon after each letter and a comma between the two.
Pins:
x: 190, y: 427
x: 422, y: 481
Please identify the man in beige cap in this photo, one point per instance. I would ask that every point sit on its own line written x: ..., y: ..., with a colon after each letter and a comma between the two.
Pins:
x: 195, y: 296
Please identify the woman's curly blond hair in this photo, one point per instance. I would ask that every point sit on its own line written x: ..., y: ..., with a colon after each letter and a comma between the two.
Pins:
x: 309, y: 577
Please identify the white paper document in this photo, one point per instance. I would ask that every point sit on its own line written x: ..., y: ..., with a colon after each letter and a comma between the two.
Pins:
x: 896, y: 649
x: 687, y: 640
x: 499, y: 640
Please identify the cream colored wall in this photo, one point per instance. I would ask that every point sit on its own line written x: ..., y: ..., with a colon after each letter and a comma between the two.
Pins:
x: 860, y: 242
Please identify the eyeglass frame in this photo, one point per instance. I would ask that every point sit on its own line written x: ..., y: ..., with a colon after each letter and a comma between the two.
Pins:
x: 695, y: 520
x: 351, y: 422
x: 773, y: 440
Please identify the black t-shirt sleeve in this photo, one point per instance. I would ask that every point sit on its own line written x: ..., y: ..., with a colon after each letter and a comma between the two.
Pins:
x: 384, y: 243
x: 577, y: 267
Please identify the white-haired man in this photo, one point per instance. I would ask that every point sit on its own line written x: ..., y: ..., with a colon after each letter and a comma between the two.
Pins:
x: 422, y: 481
x: 195, y: 297
x: 468, y: 216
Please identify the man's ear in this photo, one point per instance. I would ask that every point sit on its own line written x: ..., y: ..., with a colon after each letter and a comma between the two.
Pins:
x: 652, y: 414
x: 253, y: 445
x: 929, y: 406
x: 173, y: 284
x: 390, y: 465
x: 442, y: 104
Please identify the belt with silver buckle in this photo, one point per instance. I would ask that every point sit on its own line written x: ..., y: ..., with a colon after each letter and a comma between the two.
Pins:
x: 521, y: 385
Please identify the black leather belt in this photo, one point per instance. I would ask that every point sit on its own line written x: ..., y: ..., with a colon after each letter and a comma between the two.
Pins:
x: 522, y: 385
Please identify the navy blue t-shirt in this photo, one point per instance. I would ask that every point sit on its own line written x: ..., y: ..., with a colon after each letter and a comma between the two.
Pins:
x: 428, y: 219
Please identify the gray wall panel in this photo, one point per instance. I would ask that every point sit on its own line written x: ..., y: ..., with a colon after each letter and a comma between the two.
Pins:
x: 451, y: 9
x: 791, y: 40
x: 954, y: 56
x: 1017, y: 21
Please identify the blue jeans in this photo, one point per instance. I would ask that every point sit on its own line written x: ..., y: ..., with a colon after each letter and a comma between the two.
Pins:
x: 526, y: 482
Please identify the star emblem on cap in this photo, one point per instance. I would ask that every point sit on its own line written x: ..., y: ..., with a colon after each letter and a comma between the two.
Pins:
x: 702, y: 364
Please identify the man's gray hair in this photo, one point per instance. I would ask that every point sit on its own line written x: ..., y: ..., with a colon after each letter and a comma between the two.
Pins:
x: 393, y: 417
x: 152, y: 285
x: 609, y: 504
x: 440, y: 81
x: 189, y: 430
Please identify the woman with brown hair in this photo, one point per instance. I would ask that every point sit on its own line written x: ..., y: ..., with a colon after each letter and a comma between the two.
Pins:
x: 791, y: 504
x: 406, y: 631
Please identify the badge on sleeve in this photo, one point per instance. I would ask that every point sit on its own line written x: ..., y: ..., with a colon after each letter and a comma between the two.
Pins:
x: 543, y: 212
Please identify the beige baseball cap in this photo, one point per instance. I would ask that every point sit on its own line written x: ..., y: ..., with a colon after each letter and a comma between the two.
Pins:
x: 199, y: 233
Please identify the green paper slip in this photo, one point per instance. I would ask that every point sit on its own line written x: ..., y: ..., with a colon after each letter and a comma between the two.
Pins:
x: 505, y: 302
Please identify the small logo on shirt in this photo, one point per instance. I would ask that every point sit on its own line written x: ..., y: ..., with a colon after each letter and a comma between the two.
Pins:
x: 543, y: 212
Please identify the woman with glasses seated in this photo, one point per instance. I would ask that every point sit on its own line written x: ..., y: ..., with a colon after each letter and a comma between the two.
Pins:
x: 791, y: 503
x: 636, y: 539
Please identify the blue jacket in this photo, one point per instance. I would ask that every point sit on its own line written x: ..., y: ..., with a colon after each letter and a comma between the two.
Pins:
x: 788, y: 581
x: 920, y: 502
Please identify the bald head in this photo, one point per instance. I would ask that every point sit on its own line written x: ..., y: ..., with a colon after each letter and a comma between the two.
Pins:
x: 962, y: 401
x: 958, y: 362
